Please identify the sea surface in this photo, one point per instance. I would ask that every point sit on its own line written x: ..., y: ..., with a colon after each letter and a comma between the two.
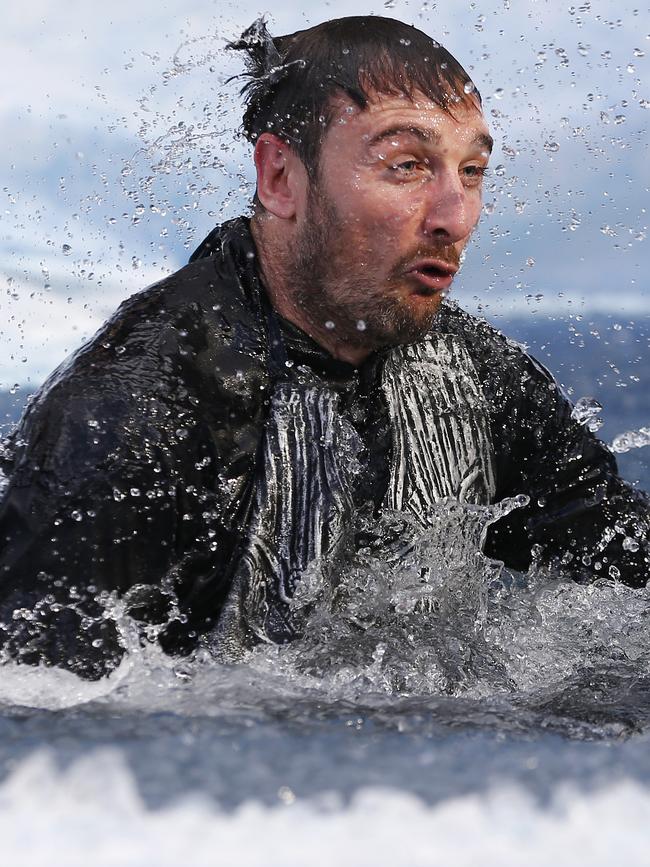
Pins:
x: 420, y: 740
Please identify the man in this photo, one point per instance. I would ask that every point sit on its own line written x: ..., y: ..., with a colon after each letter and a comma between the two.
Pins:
x: 224, y: 428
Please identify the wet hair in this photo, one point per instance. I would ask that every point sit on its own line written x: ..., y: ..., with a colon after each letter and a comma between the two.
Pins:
x: 292, y: 81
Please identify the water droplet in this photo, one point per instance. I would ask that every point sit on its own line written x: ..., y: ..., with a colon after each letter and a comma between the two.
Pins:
x: 551, y: 147
x: 66, y: 249
x: 286, y: 795
x: 586, y: 412
x: 631, y: 439
x: 639, y: 53
x: 469, y: 87
x: 76, y: 515
x: 498, y: 93
x: 530, y: 261
x: 361, y: 325
x: 330, y: 325
x: 620, y: 118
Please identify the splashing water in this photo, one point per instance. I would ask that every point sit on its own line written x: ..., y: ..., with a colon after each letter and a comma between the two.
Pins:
x: 420, y: 635
x: 408, y: 613
x: 416, y: 614
x: 631, y: 439
x: 586, y: 412
x: 424, y: 612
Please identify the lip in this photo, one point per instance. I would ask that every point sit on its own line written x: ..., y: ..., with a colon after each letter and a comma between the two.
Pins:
x: 433, y: 274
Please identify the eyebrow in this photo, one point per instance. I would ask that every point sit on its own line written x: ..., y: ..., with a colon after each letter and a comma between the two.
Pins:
x: 426, y: 135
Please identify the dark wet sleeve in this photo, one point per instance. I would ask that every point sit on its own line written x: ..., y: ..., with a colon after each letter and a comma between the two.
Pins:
x: 583, y: 519
x: 96, y: 512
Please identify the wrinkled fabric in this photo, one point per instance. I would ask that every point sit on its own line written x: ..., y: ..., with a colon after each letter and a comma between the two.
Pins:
x: 137, y: 471
x: 302, y: 509
x: 303, y: 502
x: 442, y: 446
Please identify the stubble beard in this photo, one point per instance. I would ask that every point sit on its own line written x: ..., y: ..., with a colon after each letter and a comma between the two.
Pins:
x: 328, y: 286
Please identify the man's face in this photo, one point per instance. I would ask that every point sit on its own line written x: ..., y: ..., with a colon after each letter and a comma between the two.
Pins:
x: 396, y: 198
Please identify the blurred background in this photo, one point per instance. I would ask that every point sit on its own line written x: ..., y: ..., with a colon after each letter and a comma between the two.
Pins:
x: 121, y: 151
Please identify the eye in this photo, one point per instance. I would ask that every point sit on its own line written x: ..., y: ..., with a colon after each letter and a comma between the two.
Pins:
x: 405, y: 167
x: 474, y: 174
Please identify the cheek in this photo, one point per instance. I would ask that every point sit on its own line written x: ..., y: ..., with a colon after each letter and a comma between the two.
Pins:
x: 375, y: 216
x: 406, y: 203
x: 380, y: 228
x: 372, y: 215
x: 394, y: 208
x: 475, y: 206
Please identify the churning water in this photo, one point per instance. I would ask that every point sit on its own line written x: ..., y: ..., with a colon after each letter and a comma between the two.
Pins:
x: 439, y: 709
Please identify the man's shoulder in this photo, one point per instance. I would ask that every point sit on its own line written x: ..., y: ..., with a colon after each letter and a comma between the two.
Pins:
x: 216, y: 289
x: 205, y: 305
x: 187, y: 346
x: 503, y: 364
x: 480, y: 336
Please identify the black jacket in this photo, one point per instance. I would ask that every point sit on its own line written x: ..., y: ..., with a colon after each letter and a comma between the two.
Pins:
x: 130, y: 472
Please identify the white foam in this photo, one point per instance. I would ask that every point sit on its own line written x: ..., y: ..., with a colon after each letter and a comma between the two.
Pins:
x: 41, y: 686
x: 91, y: 814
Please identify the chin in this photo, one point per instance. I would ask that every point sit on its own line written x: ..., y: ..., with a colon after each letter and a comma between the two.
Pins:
x: 418, y: 318
x: 398, y: 319
x: 407, y: 331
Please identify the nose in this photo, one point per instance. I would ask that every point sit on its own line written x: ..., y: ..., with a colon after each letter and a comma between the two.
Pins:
x: 451, y: 210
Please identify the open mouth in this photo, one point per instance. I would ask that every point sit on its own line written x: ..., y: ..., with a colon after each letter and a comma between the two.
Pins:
x: 432, y: 277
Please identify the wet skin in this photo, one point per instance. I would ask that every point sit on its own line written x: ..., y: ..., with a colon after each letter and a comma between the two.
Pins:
x: 381, y: 229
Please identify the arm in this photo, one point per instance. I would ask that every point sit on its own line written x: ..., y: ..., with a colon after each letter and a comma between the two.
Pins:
x: 583, y: 518
x: 110, y: 493
x: 130, y: 473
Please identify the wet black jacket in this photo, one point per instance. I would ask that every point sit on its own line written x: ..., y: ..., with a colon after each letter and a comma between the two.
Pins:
x: 130, y: 472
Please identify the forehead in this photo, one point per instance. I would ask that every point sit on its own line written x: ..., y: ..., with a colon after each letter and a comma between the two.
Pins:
x: 385, y: 112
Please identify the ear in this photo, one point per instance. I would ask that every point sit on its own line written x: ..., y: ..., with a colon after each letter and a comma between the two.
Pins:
x: 281, y: 177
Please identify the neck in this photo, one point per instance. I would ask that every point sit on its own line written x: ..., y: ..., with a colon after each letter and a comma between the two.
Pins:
x: 272, y: 258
